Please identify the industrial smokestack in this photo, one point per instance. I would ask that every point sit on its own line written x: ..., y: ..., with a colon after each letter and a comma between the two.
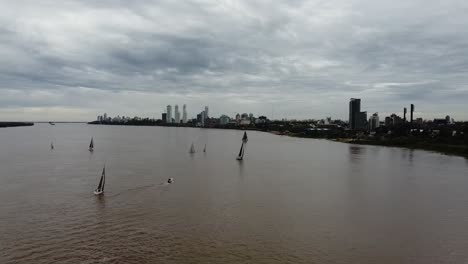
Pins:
x: 404, y: 114
x: 412, y: 110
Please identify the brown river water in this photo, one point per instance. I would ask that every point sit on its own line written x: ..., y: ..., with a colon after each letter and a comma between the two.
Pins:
x: 290, y: 201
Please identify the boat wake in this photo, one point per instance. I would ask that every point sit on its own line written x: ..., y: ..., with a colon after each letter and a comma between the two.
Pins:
x: 139, y: 188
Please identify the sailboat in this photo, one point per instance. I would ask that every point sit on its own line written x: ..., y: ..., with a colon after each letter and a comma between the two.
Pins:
x: 192, y: 149
x: 100, y: 189
x: 244, y: 138
x: 204, y: 149
x: 241, y: 152
x: 91, y: 145
x: 51, y: 145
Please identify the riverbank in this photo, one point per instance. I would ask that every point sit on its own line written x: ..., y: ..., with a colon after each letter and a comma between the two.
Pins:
x: 402, y: 142
x: 448, y: 149
x: 15, y: 124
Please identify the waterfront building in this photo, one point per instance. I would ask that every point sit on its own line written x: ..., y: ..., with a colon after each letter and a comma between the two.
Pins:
x: 374, y: 122
x: 206, y: 112
x: 177, y: 114
x: 224, y: 120
x: 396, y: 120
x: 184, y: 114
x: 169, y: 114
x: 411, y: 113
x: 203, y: 117
x: 164, y: 117
x: 357, y: 119
x: 388, y: 121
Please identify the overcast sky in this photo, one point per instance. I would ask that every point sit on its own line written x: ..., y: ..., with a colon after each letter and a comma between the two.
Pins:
x: 72, y: 60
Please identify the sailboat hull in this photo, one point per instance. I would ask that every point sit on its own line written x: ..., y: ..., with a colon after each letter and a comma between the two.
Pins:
x: 98, y: 192
x: 90, y: 149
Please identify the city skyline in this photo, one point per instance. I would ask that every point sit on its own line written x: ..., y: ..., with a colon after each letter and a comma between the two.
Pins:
x: 296, y: 60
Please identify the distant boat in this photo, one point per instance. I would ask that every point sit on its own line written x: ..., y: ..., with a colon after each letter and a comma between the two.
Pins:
x: 244, y: 138
x: 204, y: 149
x: 192, y: 149
x: 241, y: 152
x: 170, y: 180
x: 91, y: 145
x: 100, y: 189
x: 51, y: 123
x: 51, y: 145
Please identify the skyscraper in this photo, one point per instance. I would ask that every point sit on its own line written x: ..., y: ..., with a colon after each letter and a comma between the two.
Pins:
x: 184, y: 114
x: 177, y: 114
x: 206, y: 112
x: 203, y: 117
x: 411, y: 114
x: 374, y: 122
x: 357, y: 119
x: 169, y: 114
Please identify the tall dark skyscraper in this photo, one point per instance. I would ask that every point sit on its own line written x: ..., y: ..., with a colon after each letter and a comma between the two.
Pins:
x: 357, y: 119
x: 404, y: 114
x: 411, y: 114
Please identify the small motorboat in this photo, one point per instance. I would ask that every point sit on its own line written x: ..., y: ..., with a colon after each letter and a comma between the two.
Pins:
x: 170, y: 180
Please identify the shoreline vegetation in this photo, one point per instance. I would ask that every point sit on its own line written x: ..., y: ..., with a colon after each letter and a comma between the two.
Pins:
x: 15, y: 124
x: 429, y: 143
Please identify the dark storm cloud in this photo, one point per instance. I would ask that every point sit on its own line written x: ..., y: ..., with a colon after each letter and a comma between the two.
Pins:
x: 304, y: 57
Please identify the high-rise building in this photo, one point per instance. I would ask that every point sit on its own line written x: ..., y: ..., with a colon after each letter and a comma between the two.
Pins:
x: 164, y: 117
x: 184, y: 114
x: 203, y: 117
x: 357, y: 119
x: 374, y: 122
x: 411, y: 113
x: 404, y: 115
x: 388, y: 121
x: 177, y: 114
x: 206, y: 112
x: 396, y: 120
x: 169, y: 114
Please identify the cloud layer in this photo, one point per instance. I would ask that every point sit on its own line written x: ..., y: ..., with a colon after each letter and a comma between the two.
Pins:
x: 295, y: 59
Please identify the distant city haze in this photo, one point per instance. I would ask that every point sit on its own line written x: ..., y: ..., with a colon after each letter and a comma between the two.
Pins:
x: 71, y: 60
